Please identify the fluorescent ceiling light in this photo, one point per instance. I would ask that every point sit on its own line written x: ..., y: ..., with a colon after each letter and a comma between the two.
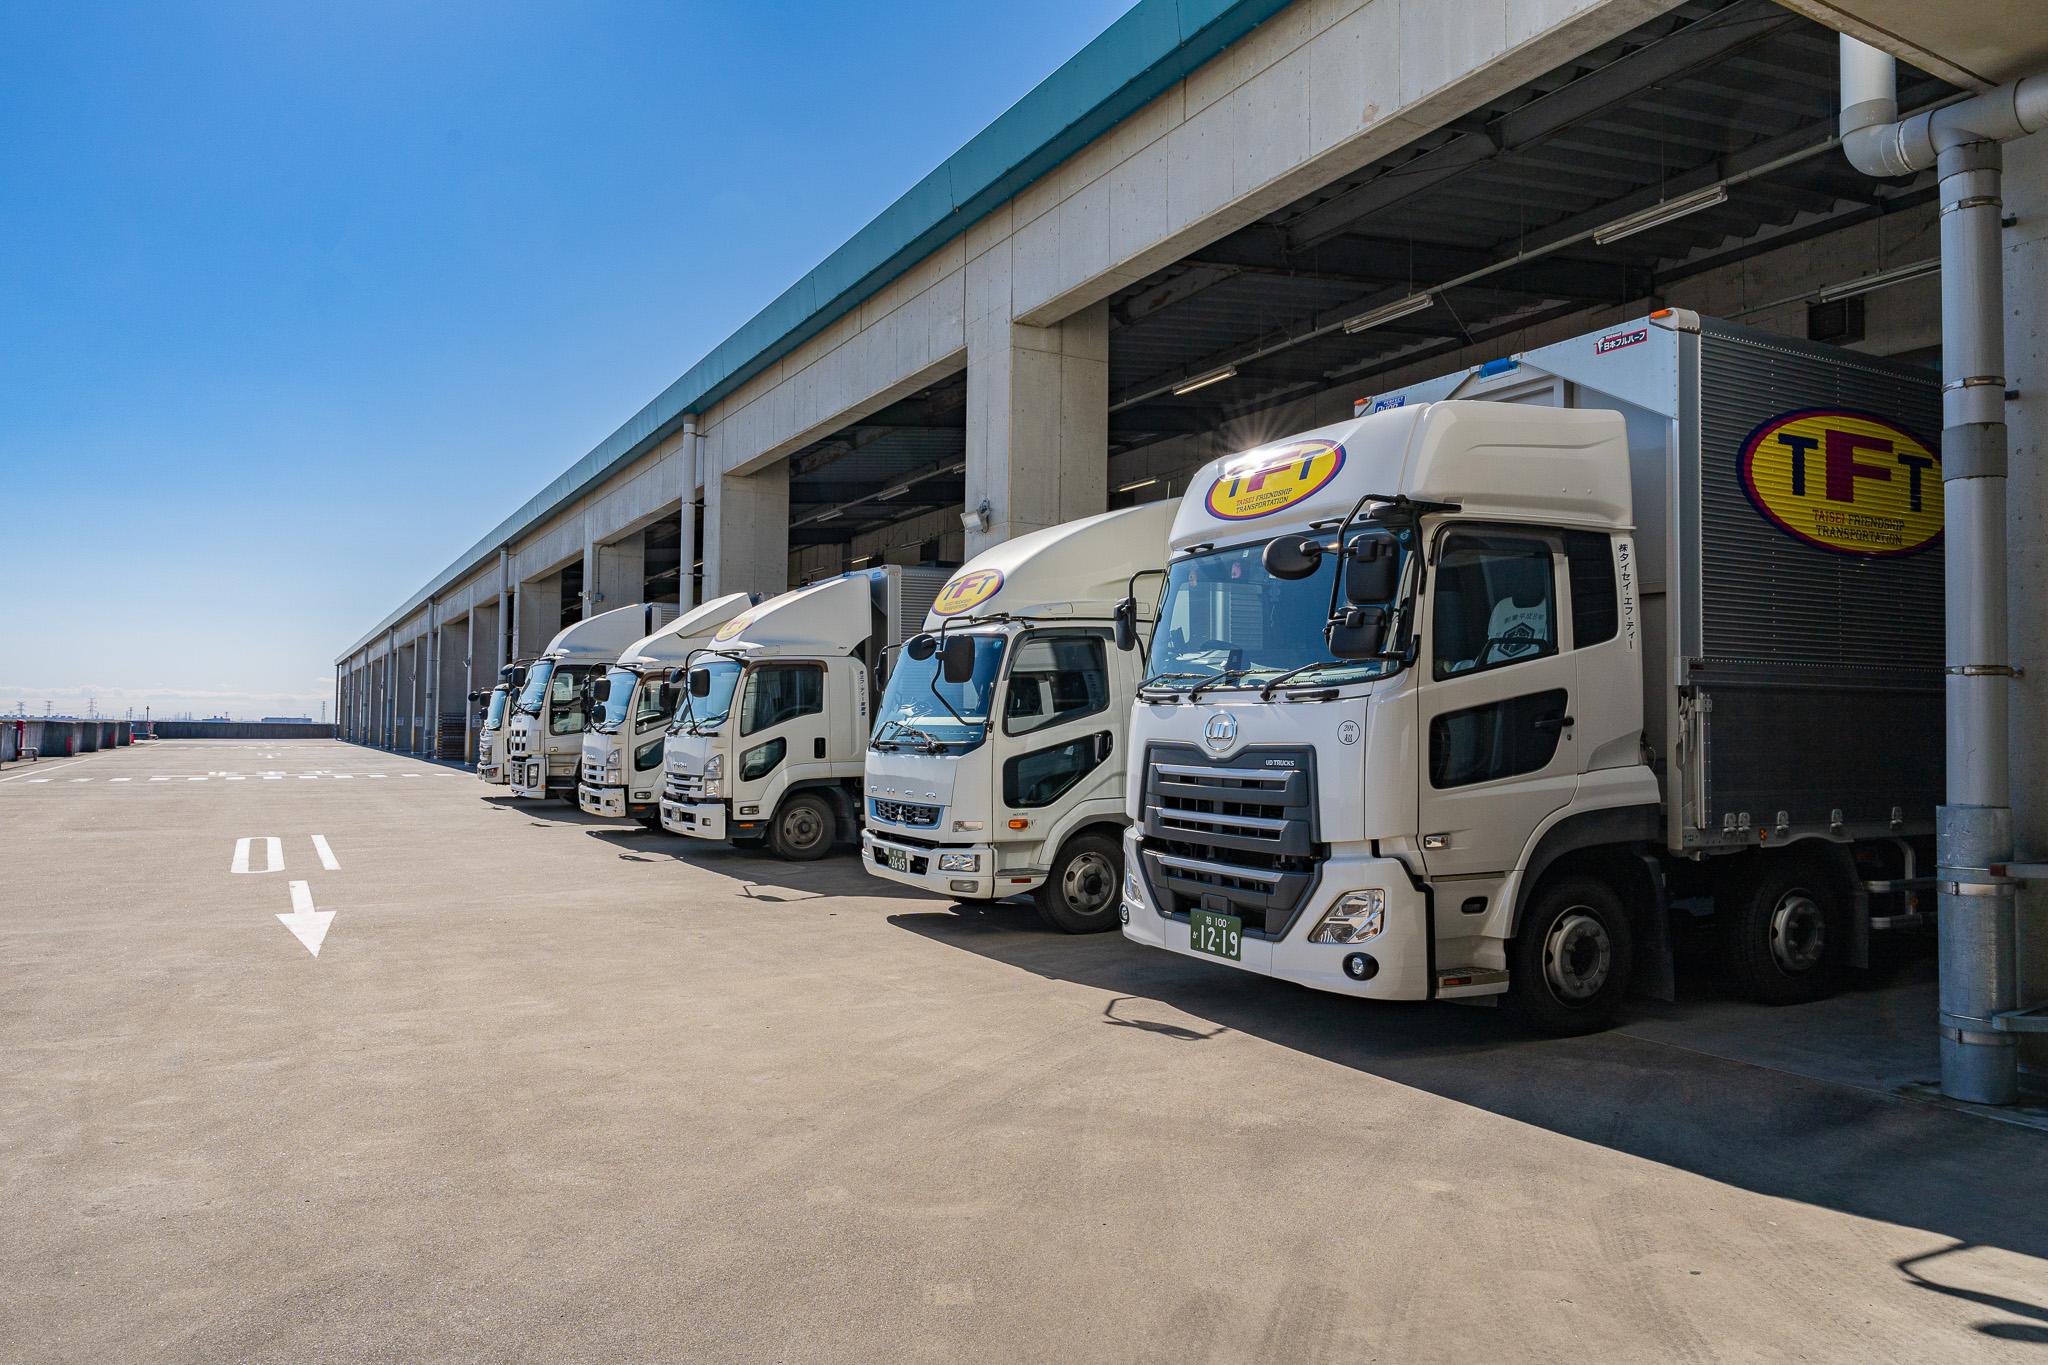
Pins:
x: 832, y: 515
x: 890, y: 494
x: 1657, y: 215
x: 1205, y: 380
x: 1142, y: 483
x: 1399, y: 308
x: 1883, y: 279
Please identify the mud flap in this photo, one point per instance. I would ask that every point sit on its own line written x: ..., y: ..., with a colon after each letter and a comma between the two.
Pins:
x: 1654, y: 976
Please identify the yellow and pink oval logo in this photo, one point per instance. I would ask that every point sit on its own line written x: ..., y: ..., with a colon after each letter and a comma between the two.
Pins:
x: 968, y: 591
x: 731, y: 629
x: 1271, y: 480
x: 1845, y: 481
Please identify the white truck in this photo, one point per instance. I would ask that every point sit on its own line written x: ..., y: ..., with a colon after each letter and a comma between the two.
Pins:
x: 768, y: 739
x: 633, y: 704
x: 1490, y: 690
x: 996, y: 767
x: 491, y: 733
x: 544, y: 740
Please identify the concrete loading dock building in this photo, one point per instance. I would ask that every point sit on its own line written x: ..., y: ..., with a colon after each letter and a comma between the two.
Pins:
x: 1215, y: 225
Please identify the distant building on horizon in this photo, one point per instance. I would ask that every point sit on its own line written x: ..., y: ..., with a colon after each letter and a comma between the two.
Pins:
x: 287, y: 720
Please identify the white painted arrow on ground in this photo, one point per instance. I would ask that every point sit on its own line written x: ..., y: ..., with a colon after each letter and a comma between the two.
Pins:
x: 308, y: 925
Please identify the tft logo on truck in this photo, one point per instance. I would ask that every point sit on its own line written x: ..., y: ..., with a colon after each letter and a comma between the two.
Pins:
x: 1270, y: 480
x: 1845, y: 481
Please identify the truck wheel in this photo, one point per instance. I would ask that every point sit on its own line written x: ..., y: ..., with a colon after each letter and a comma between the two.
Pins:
x: 1569, y: 964
x: 1080, y: 895
x: 1784, y: 939
x: 802, y: 828
x: 649, y: 822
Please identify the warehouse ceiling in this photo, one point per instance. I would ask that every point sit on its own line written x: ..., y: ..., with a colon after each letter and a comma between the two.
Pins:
x: 1496, y: 217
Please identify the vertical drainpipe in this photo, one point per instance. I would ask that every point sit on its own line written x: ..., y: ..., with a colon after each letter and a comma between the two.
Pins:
x: 1979, y: 925
x: 504, y: 631
x: 390, y: 714
x: 685, y: 573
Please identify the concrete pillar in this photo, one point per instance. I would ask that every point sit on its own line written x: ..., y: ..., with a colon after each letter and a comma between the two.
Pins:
x: 2025, y: 248
x: 540, y: 614
x: 1037, y: 411
x: 746, y: 532
x: 616, y: 573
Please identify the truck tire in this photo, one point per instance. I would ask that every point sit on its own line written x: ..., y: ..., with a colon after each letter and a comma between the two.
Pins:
x: 1080, y: 895
x: 651, y: 823
x: 802, y: 829
x: 1784, y: 938
x: 1569, y: 963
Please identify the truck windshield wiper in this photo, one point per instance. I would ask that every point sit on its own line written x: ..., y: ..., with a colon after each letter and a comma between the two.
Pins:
x: 899, y: 730
x: 1162, y: 677
x: 1266, y: 692
x: 1217, y: 680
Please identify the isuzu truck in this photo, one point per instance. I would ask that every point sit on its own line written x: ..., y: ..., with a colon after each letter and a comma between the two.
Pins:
x: 996, y: 766
x: 768, y: 740
x: 544, y: 741
x: 632, y: 705
x: 1481, y: 693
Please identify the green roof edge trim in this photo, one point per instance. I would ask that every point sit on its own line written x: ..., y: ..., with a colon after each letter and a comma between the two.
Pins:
x: 1150, y: 48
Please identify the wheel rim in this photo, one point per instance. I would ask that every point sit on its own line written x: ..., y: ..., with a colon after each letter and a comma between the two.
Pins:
x: 802, y: 827
x: 1577, y: 955
x: 1799, y: 932
x: 1088, y: 884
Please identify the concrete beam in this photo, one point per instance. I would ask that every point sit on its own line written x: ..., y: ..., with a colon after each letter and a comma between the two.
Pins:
x: 746, y: 532
x: 1037, y: 412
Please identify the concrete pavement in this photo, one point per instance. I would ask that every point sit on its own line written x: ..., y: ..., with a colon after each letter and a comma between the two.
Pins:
x: 560, y: 1090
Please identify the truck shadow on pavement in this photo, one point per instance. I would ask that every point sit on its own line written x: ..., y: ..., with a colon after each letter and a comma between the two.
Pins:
x: 1857, y: 1151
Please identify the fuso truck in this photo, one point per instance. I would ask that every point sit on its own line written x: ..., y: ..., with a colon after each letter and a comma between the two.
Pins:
x: 1494, y: 689
x: 996, y: 766
x: 544, y: 739
x: 629, y: 718
x: 767, y: 742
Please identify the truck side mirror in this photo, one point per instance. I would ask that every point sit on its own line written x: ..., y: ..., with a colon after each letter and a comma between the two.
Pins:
x: 700, y: 682
x: 1126, y: 618
x: 1360, y: 633
x: 509, y: 672
x: 958, y: 660
x: 666, y: 698
x: 1292, y: 557
x: 601, y: 690
x: 1372, y: 568
x: 921, y: 645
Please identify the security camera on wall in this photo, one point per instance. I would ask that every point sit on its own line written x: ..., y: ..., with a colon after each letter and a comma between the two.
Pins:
x: 976, y: 520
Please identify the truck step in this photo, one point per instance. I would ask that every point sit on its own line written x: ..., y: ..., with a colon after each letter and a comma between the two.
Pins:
x: 1452, y: 982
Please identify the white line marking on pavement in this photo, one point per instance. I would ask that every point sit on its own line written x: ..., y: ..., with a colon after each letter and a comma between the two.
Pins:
x: 120, y: 779
x: 308, y: 925
x: 344, y: 777
x: 326, y: 853
x: 159, y: 779
x: 195, y: 779
x: 33, y: 780
x: 18, y: 776
x: 81, y: 779
x: 273, y: 853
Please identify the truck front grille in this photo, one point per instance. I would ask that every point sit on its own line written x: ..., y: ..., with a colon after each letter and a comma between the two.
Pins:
x: 906, y: 813
x: 1237, y: 836
x: 516, y: 745
x: 683, y: 787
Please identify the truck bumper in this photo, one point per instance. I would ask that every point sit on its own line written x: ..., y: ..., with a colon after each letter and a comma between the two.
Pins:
x: 493, y: 773
x: 704, y: 820
x: 1399, y: 953
x: 606, y: 801
x: 921, y: 868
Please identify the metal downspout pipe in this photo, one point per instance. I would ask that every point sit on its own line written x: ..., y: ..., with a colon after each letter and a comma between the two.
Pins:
x: 686, y: 578
x: 1979, y: 906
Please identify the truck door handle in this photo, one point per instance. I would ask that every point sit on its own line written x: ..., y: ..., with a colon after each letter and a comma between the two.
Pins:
x: 1552, y: 724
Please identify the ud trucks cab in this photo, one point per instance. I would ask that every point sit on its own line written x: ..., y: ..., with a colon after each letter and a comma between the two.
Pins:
x: 631, y: 708
x: 490, y: 735
x: 996, y: 766
x: 544, y: 742
x: 768, y: 739
x: 1494, y: 688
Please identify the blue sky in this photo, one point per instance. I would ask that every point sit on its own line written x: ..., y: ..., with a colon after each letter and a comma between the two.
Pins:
x: 302, y: 299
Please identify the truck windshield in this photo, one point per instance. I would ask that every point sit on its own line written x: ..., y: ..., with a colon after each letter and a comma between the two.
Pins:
x: 1224, y: 618
x: 495, y: 717
x: 954, y: 720
x: 611, y: 712
x: 565, y: 716
x: 697, y: 712
x: 536, y: 690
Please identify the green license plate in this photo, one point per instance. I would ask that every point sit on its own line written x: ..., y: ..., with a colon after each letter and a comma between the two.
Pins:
x: 899, y: 859
x: 1214, y: 934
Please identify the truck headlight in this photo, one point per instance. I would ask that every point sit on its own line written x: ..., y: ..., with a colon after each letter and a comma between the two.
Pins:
x: 1353, y: 919
x: 714, y: 775
x: 1132, y: 892
x: 959, y: 862
x: 611, y: 761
